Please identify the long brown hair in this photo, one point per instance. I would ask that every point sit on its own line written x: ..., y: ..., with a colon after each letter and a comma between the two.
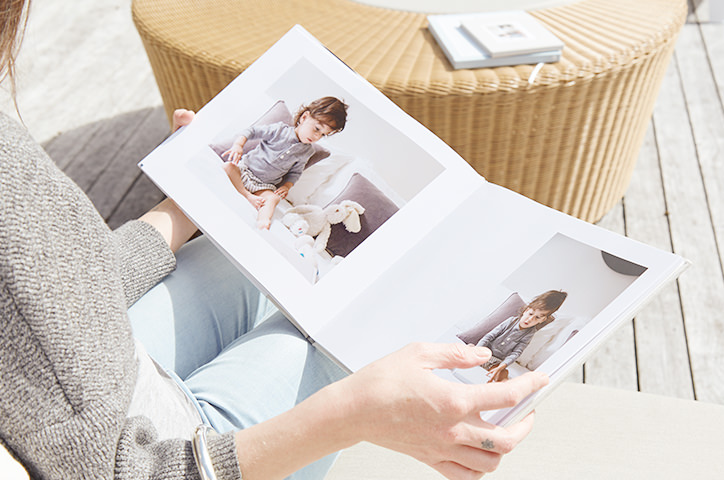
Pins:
x: 14, y: 17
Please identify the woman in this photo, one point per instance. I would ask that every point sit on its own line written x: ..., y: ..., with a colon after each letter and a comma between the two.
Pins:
x: 83, y: 399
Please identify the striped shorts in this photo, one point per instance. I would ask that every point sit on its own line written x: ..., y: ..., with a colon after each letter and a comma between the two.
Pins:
x: 252, y: 182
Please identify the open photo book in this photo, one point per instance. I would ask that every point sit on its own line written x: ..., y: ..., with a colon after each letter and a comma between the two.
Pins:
x: 414, y: 244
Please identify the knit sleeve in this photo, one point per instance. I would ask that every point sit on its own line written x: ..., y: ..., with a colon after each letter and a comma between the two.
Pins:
x: 145, y: 258
x: 140, y: 455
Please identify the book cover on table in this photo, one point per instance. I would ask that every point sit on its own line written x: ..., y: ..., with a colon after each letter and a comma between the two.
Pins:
x: 444, y: 250
x: 464, y: 51
x: 503, y: 34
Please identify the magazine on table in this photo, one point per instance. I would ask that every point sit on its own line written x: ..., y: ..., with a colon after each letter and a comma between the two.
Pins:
x: 502, y: 34
x: 436, y: 254
x: 464, y: 51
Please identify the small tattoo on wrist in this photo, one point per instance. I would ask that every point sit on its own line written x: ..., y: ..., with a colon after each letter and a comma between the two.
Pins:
x: 488, y: 444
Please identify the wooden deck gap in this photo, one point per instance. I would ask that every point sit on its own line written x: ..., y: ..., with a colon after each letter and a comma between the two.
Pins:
x: 636, y: 357
x: 705, y: 190
x: 686, y: 342
x: 671, y: 236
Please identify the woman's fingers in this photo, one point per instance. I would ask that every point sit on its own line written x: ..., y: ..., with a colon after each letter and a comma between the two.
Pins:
x: 492, y: 438
x: 500, y: 440
x: 409, y: 408
x: 484, y: 455
x: 181, y: 118
x: 472, y: 461
x: 493, y: 396
x: 455, y: 471
x: 450, y: 355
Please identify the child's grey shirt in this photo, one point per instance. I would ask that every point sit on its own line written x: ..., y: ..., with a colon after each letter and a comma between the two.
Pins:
x: 280, y: 157
x: 507, y: 341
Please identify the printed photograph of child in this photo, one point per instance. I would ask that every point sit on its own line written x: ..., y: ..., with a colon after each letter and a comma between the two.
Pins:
x: 541, y: 307
x: 311, y: 169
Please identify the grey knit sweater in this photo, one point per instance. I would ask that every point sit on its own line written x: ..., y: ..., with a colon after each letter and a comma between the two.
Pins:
x: 67, y: 368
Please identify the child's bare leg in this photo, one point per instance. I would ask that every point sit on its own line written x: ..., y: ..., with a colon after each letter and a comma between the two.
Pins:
x: 271, y: 200
x: 234, y: 173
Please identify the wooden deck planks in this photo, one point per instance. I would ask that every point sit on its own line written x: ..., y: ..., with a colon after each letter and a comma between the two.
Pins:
x: 704, y: 106
x: 702, y: 286
x: 662, y: 354
x: 697, y: 60
x: 102, y: 158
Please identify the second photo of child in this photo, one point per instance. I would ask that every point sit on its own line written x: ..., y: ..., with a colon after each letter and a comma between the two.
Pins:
x: 508, y: 340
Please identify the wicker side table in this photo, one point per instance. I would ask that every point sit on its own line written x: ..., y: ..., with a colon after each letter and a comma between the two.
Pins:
x: 569, y: 139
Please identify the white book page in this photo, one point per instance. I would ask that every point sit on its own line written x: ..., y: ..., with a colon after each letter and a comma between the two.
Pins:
x: 496, y: 245
x: 404, y: 162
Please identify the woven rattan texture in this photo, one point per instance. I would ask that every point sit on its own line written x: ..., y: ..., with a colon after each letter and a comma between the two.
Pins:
x: 569, y: 139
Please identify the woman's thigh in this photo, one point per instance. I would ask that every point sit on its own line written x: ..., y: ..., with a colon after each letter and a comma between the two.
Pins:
x: 260, y: 375
x: 198, y: 310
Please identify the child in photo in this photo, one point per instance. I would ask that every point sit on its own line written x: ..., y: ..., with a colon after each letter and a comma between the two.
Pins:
x: 508, y: 340
x: 265, y: 174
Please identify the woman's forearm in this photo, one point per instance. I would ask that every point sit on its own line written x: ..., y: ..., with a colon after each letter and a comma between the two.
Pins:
x: 167, y: 217
x: 396, y: 402
x: 317, y: 427
x: 173, y: 224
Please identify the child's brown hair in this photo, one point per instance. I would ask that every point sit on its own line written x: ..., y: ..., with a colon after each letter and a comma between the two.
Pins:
x: 549, y: 301
x: 329, y: 110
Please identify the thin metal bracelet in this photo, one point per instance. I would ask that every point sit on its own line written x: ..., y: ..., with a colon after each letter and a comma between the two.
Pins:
x: 201, y: 453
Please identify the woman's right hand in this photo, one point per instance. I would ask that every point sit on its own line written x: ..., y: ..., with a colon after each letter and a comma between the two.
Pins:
x: 399, y: 403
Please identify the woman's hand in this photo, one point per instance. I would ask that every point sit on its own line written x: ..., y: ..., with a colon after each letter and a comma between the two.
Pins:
x: 399, y: 403
x: 181, y: 118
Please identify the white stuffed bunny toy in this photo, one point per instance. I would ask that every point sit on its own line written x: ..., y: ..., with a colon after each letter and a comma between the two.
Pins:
x: 317, y: 222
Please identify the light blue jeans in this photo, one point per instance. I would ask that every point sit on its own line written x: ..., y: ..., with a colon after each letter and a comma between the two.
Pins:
x: 241, y: 359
